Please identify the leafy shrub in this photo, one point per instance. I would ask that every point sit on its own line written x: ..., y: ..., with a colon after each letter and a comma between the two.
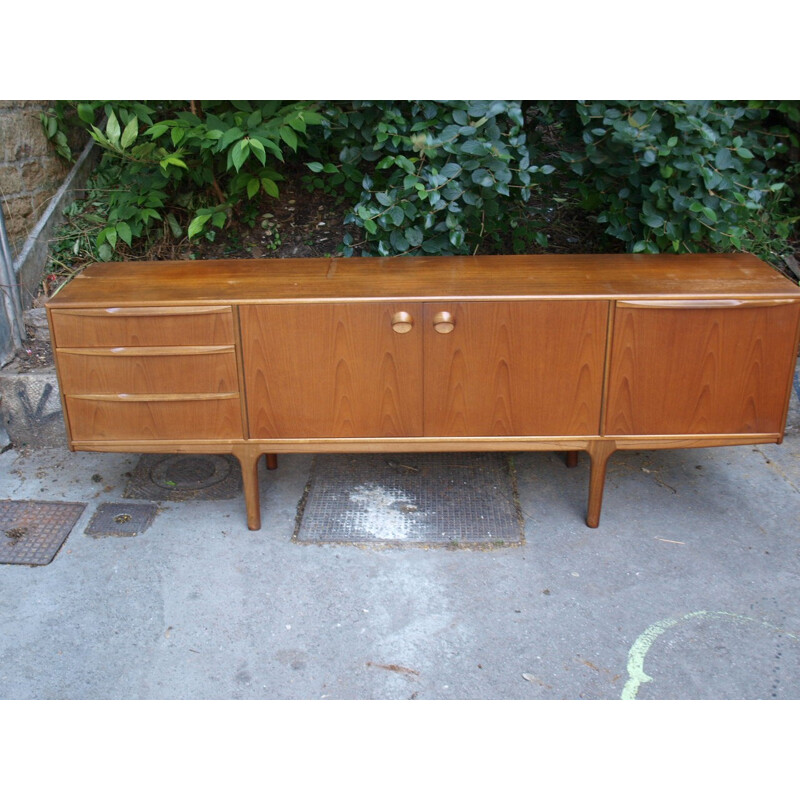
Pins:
x: 428, y: 177
x: 680, y: 176
x: 170, y: 169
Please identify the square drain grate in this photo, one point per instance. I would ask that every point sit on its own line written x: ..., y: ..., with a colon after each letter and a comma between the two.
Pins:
x: 185, y: 476
x: 415, y: 498
x: 32, y: 532
x: 121, y: 519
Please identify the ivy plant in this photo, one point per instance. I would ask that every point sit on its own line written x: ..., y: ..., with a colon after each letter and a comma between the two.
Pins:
x: 428, y: 177
x: 676, y: 176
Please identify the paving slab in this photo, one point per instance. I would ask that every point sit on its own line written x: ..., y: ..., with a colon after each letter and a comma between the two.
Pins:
x: 688, y: 589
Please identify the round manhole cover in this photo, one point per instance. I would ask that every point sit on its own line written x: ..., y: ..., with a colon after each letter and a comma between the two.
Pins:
x: 185, y: 476
x: 191, y: 472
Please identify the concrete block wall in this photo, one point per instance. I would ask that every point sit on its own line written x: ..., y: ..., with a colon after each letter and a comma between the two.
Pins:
x: 30, y: 169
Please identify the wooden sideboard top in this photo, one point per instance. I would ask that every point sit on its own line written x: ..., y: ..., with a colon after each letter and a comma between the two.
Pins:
x: 738, y: 275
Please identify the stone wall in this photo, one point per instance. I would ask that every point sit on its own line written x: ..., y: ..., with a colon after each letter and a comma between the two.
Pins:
x: 30, y: 169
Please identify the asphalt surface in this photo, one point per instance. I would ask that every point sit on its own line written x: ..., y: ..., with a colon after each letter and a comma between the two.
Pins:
x: 688, y: 589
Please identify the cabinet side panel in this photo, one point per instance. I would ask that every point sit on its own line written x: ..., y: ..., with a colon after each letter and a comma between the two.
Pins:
x: 700, y: 371
x: 331, y: 370
x: 515, y: 368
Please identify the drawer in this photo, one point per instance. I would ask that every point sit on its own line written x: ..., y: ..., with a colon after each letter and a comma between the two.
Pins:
x: 142, y: 327
x: 148, y: 370
x: 126, y: 418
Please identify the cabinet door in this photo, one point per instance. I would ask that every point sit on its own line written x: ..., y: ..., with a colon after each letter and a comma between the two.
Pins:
x: 700, y: 367
x: 331, y: 370
x: 515, y: 368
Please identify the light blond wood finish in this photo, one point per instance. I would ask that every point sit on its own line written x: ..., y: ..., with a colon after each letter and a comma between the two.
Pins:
x: 515, y: 369
x: 120, y: 327
x: 567, y: 353
x: 331, y: 370
x: 706, y: 370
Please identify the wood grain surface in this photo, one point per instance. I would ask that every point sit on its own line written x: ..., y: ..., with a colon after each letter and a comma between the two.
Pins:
x: 528, y: 368
x: 116, y: 328
x: 107, y: 420
x: 700, y: 371
x: 97, y: 372
x: 330, y: 370
x: 457, y: 277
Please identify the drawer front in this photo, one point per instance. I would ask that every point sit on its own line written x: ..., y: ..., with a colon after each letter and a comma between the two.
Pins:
x: 701, y: 367
x: 109, y: 419
x: 143, y: 327
x: 136, y: 370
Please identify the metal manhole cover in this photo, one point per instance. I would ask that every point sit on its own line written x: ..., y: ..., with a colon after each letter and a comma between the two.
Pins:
x: 416, y: 498
x: 185, y: 476
x: 32, y: 532
x: 121, y: 519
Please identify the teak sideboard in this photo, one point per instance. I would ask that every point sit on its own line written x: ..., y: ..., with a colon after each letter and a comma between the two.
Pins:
x: 592, y: 353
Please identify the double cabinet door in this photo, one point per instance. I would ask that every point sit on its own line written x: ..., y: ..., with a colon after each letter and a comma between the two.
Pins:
x: 434, y: 369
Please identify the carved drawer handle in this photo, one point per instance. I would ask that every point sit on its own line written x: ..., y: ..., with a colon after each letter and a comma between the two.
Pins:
x: 443, y: 322
x: 708, y: 303
x: 402, y: 322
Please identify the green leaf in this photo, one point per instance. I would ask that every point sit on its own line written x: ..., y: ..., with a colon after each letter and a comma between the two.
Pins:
x: 744, y: 152
x: 218, y: 219
x: 398, y: 241
x: 258, y: 149
x: 240, y: 153
x: 112, y: 129
x: 230, y: 136
x: 197, y: 224
x: 157, y: 130
x: 710, y: 213
x: 315, y: 166
x: 396, y: 215
x: 270, y: 187
x: 289, y: 136
x: 176, y: 135
x: 414, y: 236
x: 130, y: 133
x: 164, y: 163
x: 85, y: 113
x: 723, y: 159
x: 653, y: 220
x: 124, y: 231
x: 383, y: 198
x: 253, y: 186
x: 482, y: 177
x: 176, y: 229
x: 370, y: 225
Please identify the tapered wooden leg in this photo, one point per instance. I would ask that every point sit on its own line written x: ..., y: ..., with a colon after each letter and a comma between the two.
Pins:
x: 572, y: 458
x: 248, y: 458
x: 272, y: 461
x: 599, y: 452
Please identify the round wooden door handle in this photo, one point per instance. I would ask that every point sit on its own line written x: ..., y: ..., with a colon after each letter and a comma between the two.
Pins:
x: 402, y: 322
x: 443, y: 322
